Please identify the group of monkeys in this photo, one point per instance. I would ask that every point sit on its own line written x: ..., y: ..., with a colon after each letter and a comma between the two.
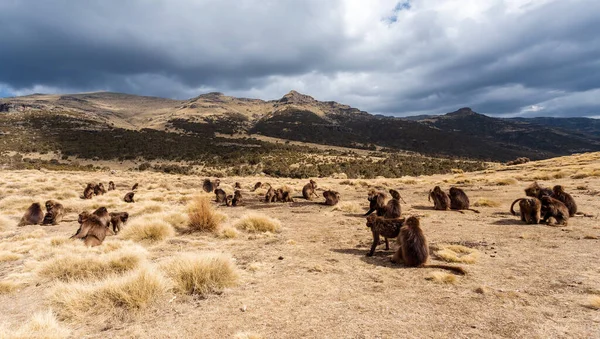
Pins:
x: 544, y: 203
x: 98, y: 189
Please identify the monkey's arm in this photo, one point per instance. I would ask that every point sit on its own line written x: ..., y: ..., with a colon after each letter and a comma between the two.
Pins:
x: 81, y: 232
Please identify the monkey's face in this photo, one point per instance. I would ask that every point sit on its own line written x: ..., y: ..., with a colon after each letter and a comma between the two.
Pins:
x: 371, y: 220
x: 83, y: 216
x: 49, y: 205
x: 124, y: 217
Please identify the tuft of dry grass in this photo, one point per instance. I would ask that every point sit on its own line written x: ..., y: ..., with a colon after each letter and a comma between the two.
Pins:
x: 176, y: 219
x: 228, y: 232
x: 348, y: 207
x: 147, y: 229
x: 7, y: 286
x: 90, y: 265
x: 41, y: 325
x: 202, y: 216
x: 593, y: 302
x: 442, y: 277
x: 115, y: 297
x: 505, y: 182
x: 9, y: 256
x: 37, y: 234
x: 458, y: 254
x: 483, y: 202
x: 258, y: 223
x: 201, y: 274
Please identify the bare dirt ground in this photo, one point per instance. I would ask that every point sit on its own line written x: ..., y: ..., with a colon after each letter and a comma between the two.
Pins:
x: 312, y: 279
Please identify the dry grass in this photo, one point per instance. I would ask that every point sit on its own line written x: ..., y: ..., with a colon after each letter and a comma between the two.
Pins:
x: 484, y: 202
x: 91, y: 265
x: 201, y: 274
x: 202, y: 216
x: 505, y: 182
x: 458, y: 254
x: 258, y: 223
x: 115, y: 297
x: 6, y: 223
x: 593, y: 302
x: 348, y: 207
x: 8, y: 286
x: 442, y: 277
x: 147, y: 229
x: 228, y: 232
x: 42, y: 325
x: 9, y: 256
x: 37, y: 234
x: 247, y: 335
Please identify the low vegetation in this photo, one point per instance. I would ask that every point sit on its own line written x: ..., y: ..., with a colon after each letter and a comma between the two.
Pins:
x: 202, y: 216
x: 42, y: 325
x: 258, y: 223
x: 147, y: 229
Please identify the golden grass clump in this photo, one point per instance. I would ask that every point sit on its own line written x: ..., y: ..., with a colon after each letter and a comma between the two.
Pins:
x: 505, y: 182
x: 149, y: 228
x: 458, y: 254
x: 348, y: 207
x: 442, y: 277
x: 115, y: 297
x: 594, y: 302
x: 6, y: 256
x: 228, y: 232
x: 202, y: 216
x: 7, y: 286
x: 41, y: 325
x: 177, y: 219
x: 484, y: 202
x: 201, y: 274
x: 91, y: 265
x: 37, y: 234
x: 258, y: 223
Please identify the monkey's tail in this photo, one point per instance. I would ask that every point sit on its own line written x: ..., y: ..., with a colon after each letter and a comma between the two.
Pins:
x: 369, y: 212
x: 455, y: 269
x: 512, y: 211
x: 474, y: 210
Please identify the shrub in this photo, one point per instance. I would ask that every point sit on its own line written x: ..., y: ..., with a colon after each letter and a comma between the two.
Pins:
x: 202, y: 216
x: 148, y: 229
x: 258, y: 223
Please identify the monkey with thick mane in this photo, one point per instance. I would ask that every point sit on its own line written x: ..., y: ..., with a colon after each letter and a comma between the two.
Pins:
x: 129, y: 197
x: 309, y: 190
x: 88, y: 192
x: 530, y: 209
x: 559, y: 194
x: 380, y: 226
x: 413, y: 250
x: 535, y: 190
x: 210, y: 186
x: 555, y: 209
x: 54, y: 213
x: 376, y: 202
x: 33, y: 216
x: 220, y: 195
x: 331, y: 198
x: 441, y: 200
x: 459, y: 200
x: 94, y: 227
x: 117, y: 219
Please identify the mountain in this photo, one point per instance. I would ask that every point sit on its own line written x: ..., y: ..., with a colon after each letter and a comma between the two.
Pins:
x: 297, y: 117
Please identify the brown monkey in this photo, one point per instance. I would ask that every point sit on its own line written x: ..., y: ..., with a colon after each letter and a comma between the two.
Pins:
x: 392, y: 209
x: 535, y: 190
x: 103, y: 216
x: 92, y: 230
x: 111, y: 186
x: 396, y: 195
x: 235, y: 199
x: 376, y: 202
x: 459, y: 200
x: 388, y: 228
x: 237, y: 186
x: 441, y: 200
x: 134, y: 187
x: 82, y: 216
x: 88, y: 192
x: 117, y: 219
x: 33, y: 216
x: 331, y: 198
x: 559, y: 194
x: 210, y: 186
x: 129, y: 197
x: 309, y: 190
x: 556, y: 209
x: 413, y: 250
x: 283, y: 195
x: 220, y: 195
x: 229, y: 200
x: 257, y: 186
x: 530, y: 209
x: 54, y: 213
x: 270, y: 196
x: 99, y: 189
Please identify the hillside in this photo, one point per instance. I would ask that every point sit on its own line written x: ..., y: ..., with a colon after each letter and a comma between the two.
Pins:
x: 298, y: 117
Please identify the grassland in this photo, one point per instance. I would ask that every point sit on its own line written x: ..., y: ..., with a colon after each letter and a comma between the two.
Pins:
x: 184, y: 268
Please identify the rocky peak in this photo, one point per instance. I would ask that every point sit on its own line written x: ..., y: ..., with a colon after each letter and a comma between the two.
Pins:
x: 462, y: 112
x: 294, y: 97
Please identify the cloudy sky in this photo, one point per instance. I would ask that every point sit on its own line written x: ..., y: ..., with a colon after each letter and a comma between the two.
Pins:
x: 500, y: 57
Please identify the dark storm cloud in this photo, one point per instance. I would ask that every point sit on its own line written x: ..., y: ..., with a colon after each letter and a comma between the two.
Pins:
x: 409, y: 57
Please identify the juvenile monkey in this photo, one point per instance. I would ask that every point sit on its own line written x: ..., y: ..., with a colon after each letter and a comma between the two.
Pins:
x: 556, y: 209
x: 270, y: 196
x: 376, y: 202
x: 392, y: 209
x: 331, y: 198
x: 134, y: 187
x: 237, y: 186
x: 88, y: 192
x: 257, y: 186
x: 413, y: 250
x: 441, y: 200
x: 380, y: 226
x: 309, y: 190
x: 530, y: 209
x: 459, y: 200
x: 117, y: 219
x: 129, y: 197
x: 99, y: 189
x: 33, y: 216
x: 235, y: 199
x: 535, y: 190
x: 111, y: 186
x: 559, y: 194
x: 54, y: 213
x: 283, y: 195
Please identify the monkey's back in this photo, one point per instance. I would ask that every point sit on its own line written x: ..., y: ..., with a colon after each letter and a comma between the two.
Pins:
x: 414, y: 246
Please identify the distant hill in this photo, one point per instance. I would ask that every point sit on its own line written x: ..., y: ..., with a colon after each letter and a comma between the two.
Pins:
x: 298, y: 117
